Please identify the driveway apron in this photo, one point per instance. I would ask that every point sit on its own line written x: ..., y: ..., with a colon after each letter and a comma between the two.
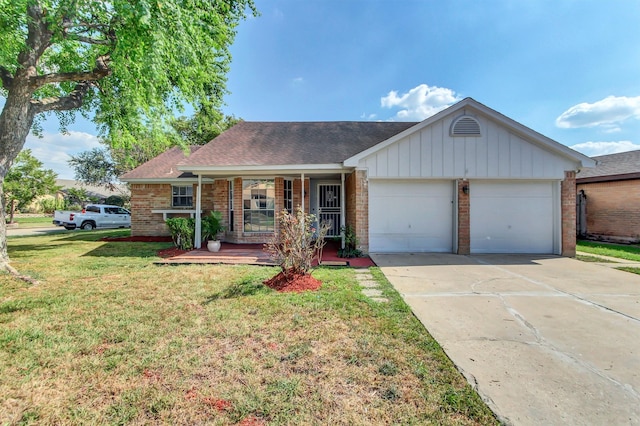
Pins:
x: 543, y: 339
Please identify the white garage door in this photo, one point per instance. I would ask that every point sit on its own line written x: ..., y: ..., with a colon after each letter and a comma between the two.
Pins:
x: 407, y: 216
x: 512, y: 217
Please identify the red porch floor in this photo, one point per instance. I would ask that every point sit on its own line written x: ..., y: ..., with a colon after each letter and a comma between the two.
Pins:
x: 254, y: 254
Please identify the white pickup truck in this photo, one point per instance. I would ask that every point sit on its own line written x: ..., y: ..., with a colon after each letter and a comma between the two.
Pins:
x: 94, y: 216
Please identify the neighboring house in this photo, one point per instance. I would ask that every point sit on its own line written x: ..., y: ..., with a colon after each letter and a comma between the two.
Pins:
x: 609, y: 198
x: 466, y: 180
x: 99, y: 192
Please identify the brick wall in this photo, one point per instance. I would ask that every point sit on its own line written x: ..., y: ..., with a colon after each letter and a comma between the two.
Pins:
x: 568, y: 212
x: 357, y: 208
x: 613, y: 210
x: 148, y: 197
x: 464, y: 218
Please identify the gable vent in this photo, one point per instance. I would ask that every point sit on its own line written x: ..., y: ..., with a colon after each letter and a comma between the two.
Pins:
x: 465, y: 126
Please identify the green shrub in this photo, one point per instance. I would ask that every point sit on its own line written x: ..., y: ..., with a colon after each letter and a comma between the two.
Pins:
x: 116, y: 200
x: 350, y: 249
x: 49, y: 205
x: 183, y: 231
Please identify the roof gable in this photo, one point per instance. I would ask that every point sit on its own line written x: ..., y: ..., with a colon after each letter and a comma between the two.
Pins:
x: 469, y: 104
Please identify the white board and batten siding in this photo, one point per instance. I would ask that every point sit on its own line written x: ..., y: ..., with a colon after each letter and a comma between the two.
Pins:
x: 514, y: 190
x: 498, y: 153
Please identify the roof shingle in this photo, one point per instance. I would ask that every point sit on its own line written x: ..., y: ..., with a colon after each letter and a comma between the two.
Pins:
x: 164, y: 166
x: 286, y: 143
x: 623, y: 163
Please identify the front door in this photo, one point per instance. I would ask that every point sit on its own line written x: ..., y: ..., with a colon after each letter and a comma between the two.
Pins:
x: 329, y: 207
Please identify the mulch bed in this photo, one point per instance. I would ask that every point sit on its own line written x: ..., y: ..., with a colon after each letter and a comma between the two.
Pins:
x: 295, y: 283
x: 171, y: 252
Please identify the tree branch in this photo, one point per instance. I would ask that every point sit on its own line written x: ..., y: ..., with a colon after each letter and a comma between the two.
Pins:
x: 38, y: 38
x: 100, y: 71
x: 65, y: 103
x: 89, y: 40
x: 6, y: 77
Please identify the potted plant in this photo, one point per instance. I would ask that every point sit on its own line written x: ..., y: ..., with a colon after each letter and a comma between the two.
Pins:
x: 211, y: 227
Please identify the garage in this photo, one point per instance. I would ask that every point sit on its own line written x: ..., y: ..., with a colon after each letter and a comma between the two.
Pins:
x: 411, y: 215
x: 512, y: 217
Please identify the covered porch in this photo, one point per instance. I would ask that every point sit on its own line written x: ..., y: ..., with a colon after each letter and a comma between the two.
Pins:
x: 251, y: 199
x: 254, y: 254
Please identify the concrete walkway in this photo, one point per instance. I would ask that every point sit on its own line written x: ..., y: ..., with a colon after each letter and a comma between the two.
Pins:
x: 544, y: 339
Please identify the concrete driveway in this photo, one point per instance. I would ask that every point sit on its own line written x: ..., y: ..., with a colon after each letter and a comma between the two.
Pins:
x: 543, y: 339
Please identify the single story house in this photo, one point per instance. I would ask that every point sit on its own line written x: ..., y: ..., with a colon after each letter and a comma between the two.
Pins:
x: 609, y: 198
x: 466, y: 180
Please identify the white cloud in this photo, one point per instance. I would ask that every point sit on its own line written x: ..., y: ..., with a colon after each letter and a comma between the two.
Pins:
x: 420, y: 102
x: 55, y: 149
x: 608, y: 113
x: 297, y: 81
x: 593, y: 149
x: 368, y: 117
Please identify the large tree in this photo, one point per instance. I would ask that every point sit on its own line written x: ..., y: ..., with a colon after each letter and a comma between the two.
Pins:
x: 26, y: 181
x: 126, y: 64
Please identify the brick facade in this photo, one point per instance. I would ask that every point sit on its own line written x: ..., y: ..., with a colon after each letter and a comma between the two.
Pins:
x: 613, y: 210
x: 464, y: 218
x: 215, y: 196
x: 147, y: 197
x: 357, y: 207
x: 568, y: 213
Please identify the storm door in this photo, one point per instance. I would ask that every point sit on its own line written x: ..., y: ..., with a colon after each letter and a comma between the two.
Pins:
x: 329, y: 207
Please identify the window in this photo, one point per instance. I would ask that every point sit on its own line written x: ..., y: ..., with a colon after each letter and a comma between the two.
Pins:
x: 288, y: 195
x: 182, y: 196
x: 258, y: 201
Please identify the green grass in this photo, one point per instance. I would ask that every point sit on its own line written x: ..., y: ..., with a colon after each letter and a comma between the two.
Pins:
x: 621, y: 251
x: 110, y: 338
x: 33, y: 222
x: 629, y: 269
x: 595, y: 259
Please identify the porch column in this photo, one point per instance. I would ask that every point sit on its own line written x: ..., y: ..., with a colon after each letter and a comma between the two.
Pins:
x: 302, y: 192
x: 342, y: 210
x: 197, y: 240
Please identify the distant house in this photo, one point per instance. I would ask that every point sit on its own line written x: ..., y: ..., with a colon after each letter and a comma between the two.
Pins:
x: 609, y: 198
x: 100, y: 193
x: 466, y: 180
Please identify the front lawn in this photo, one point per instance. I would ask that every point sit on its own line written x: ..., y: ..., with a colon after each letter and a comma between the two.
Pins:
x: 110, y: 338
x: 621, y: 251
x: 33, y: 221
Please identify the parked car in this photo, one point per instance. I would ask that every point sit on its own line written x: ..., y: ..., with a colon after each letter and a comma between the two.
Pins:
x: 94, y: 216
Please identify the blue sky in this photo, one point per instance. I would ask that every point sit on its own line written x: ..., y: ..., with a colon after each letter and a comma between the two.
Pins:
x: 568, y: 69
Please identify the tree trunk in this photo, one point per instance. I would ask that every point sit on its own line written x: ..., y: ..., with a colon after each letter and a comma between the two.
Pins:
x: 15, y: 122
x: 12, y: 211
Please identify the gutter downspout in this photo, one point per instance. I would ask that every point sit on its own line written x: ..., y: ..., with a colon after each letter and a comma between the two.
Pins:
x: 342, y: 211
x: 198, y: 237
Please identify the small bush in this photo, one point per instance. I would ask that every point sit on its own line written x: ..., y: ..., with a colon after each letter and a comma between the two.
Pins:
x: 350, y: 249
x: 116, y: 200
x: 297, y: 242
x: 49, y: 205
x: 183, y: 231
